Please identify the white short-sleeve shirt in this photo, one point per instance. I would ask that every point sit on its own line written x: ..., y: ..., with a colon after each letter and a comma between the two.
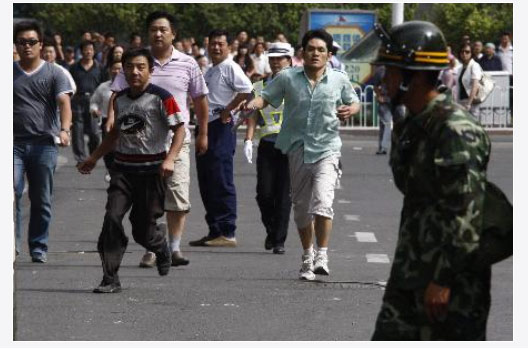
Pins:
x: 224, y: 81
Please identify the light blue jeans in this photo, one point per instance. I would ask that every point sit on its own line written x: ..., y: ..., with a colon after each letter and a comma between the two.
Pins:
x: 37, y: 162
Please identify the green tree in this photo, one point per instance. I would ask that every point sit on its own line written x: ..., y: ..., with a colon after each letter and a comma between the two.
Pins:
x: 480, y: 21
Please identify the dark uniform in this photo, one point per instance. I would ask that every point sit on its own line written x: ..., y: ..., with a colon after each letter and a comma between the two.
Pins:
x: 439, y: 159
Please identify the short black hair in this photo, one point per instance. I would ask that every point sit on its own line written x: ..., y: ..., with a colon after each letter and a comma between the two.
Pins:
x: 47, y: 42
x: 318, y: 34
x: 161, y: 14
x: 27, y: 26
x: 136, y: 52
x: 109, y: 35
x: 220, y: 32
x: 134, y: 35
x: 87, y: 43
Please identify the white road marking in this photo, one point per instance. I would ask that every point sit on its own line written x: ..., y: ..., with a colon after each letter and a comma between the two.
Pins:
x: 342, y: 201
x: 365, y: 236
x: 357, y: 148
x: 377, y: 258
x: 352, y: 217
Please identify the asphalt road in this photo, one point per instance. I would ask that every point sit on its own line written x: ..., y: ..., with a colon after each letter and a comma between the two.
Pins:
x: 236, y: 294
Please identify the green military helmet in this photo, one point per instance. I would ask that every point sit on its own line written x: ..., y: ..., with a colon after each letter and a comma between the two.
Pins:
x: 414, y: 45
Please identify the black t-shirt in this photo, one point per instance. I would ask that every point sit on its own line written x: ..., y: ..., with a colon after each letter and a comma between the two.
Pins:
x: 462, y: 94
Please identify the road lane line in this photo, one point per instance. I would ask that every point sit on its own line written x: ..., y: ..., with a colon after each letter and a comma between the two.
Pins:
x: 377, y: 258
x: 365, y: 236
x: 352, y: 217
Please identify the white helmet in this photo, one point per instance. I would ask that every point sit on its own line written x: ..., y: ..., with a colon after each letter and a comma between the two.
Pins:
x: 280, y: 49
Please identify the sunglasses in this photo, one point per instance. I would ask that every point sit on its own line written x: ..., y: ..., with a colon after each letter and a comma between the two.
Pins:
x: 23, y: 42
x: 466, y: 51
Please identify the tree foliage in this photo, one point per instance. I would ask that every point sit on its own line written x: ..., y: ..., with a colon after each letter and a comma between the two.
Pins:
x: 482, y: 21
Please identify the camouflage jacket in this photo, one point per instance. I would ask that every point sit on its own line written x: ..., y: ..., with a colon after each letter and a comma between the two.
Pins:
x: 439, y: 159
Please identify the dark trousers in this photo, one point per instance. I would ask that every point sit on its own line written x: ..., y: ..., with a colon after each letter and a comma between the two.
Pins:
x: 215, y: 179
x: 273, y: 191
x: 403, y: 318
x: 145, y: 194
x: 83, y: 123
x: 108, y: 158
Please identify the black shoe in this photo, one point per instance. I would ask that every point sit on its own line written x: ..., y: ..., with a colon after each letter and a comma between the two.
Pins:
x: 178, y: 259
x: 268, y: 244
x: 381, y: 152
x: 279, y: 250
x: 163, y: 261
x: 39, y: 257
x: 200, y: 242
x: 108, y: 288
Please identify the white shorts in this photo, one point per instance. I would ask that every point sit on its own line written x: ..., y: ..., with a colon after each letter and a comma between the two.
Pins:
x: 177, y: 191
x: 312, y: 187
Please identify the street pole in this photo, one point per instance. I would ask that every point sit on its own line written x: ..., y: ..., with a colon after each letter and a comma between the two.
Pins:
x: 397, y: 14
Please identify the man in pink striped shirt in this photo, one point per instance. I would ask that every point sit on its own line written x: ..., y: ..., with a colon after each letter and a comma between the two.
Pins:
x: 181, y: 76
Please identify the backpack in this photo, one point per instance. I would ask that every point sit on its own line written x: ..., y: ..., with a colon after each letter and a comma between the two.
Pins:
x: 496, y: 239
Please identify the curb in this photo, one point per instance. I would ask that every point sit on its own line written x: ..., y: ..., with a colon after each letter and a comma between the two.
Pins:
x: 369, y: 131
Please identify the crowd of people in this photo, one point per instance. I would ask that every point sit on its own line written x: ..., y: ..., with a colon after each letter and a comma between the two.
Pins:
x: 294, y: 99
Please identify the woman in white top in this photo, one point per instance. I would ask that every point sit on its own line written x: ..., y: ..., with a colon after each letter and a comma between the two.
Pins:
x: 468, y: 75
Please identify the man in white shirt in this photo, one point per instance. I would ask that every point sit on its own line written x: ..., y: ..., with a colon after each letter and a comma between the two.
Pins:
x: 228, y: 87
x: 260, y: 59
x: 99, y: 108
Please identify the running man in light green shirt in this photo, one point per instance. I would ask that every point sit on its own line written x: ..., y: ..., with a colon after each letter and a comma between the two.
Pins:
x: 316, y: 99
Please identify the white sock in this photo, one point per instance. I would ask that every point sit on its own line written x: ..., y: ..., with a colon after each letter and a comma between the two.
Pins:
x: 175, y: 244
x: 322, y: 250
x: 308, y: 251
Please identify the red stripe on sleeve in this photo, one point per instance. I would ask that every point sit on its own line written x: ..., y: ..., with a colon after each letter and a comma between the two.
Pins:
x: 171, y: 107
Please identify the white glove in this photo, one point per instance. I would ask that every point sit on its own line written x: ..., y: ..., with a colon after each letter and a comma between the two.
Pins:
x: 248, y: 150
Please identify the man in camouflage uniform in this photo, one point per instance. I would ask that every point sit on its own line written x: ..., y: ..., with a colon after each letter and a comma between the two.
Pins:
x: 439, y: 157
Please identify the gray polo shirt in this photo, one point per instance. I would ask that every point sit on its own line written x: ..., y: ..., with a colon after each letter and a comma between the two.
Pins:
x: 35, y: 118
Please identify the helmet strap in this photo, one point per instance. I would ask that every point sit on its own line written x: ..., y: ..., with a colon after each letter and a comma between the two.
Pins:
x: 404, y: 86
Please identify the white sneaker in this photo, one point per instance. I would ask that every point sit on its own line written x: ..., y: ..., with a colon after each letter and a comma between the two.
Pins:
x: 321, y: 264
x: 307, y: 268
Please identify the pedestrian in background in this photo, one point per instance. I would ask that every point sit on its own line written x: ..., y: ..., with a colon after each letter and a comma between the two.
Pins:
x: 144, y: 115
x: 490, y: 61
x: 69, y: 57
x: 316, y: 99
x: 87, y: 74
x: 476, y: 50
x: 468, y: 75
x: 244, y: 60
x: 99, y: 108
x: 438, y: 159
x: 39, y: 90
x: 49, y: 54
x: 260, y: 61
x: 273, y: 181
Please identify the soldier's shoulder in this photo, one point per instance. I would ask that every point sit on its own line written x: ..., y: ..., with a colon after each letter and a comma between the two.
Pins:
x: 452, y: 122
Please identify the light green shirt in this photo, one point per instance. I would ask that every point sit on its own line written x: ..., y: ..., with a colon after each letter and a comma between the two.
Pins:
x: 310, y: 116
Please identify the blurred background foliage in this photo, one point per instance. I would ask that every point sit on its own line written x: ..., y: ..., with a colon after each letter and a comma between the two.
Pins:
x: 482, y: 21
